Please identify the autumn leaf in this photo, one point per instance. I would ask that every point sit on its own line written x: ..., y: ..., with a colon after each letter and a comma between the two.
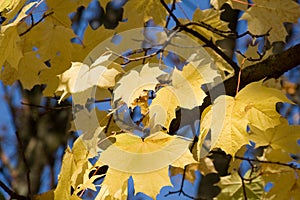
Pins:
x: 254, y: 104
x: 62, y: 9
x: 240, y: 5
x: 210, y: 17
x: 73, y: 160
x: 29, y: 69
x: 53, y: 45
x: 145, y: 80
x: 232, y: 187
x: 10, y: 41
x: 283, y: 137
x: 185, y: 83
x: 146, y: 160
x: 267, y: 15
x: 285, y: 180
x: 144, y: 11
x: 9, y: 8
x: 81, y: 77
x: 90, y: 40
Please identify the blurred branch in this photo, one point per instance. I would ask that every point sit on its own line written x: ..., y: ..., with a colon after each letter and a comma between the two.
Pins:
x: 46, y: 107
x: 12, y: 194
x: 22, y: 152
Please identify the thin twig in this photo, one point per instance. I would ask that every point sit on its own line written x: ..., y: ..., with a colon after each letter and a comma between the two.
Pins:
x: 33, y: 25
x: 128, y: 60
x: 291, y: 165
x: 173, y: 7
x: 239, y: 77
x: 243, y: 185
x: 22, y: 151
x: 46, y: 107
x: 207, y: 42
x: 180, y: 191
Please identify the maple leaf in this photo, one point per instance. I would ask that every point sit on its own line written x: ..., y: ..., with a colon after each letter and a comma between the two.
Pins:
x: 9, y: 8
x: 142, y: 11
x: 280, y: 137
x: 234, y: 4
x: 62, y: 9
x: 10, y: 41
x: 285, y: 180
x: 53, y: 44
x: 252, y: 53
x: 254, y: 104
x: 232, y: 187
x: 128, y: 90
x: 90, y: 40
x: 29, y: 69
x: 267, y: 15
x: 185, y: 83
x: 75, y: 160
x: 81, y: 77
x: 210, y: 17
x: 146, y: 160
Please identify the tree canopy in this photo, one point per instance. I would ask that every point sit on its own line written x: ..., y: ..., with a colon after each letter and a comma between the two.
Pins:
x: 156, y: 99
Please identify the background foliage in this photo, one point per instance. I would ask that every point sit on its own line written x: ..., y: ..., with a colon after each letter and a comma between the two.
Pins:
x: 43, y: 49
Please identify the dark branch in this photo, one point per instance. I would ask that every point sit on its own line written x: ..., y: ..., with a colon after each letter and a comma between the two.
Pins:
x: 39, y: 21
x: 243, y: 185
x: 12, y: 194
x: 272, y: 67
x: 290, y: 165
x: 22, y: 151
x: 207, y: 42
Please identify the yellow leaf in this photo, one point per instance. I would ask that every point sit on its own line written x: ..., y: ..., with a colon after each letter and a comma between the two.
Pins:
x: 10, y: 41
x: 49, y: 195
x: 254, y: 104
x: 128, y: 90
x: 232, y: 187
x: 141, y: 11
x: 53, y: 43
x: 240, y: 5
x: 146, y: 160
x: 75, y: 160
x: 91, y: 39
x: 87, y: 182
x: 210, y: 17
x: 185, y: 83
x: 252, y: 53
x: 285, y: 180
x: 267, y: 15
x: 62, y: 190
x: 29, y: 70
x: 260, y: 104
x: 163, y: 107
x: 280, y: 137
x: 205, y: 166
x: 9, y: 8
x: 81, y: 77
x: 63, y: 8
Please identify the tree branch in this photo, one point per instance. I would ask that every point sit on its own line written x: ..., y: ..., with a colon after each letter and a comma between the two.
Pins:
x: 12, y: 194
x: 22, y: 152
x: 272, y: 67
x: 207, y: 42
